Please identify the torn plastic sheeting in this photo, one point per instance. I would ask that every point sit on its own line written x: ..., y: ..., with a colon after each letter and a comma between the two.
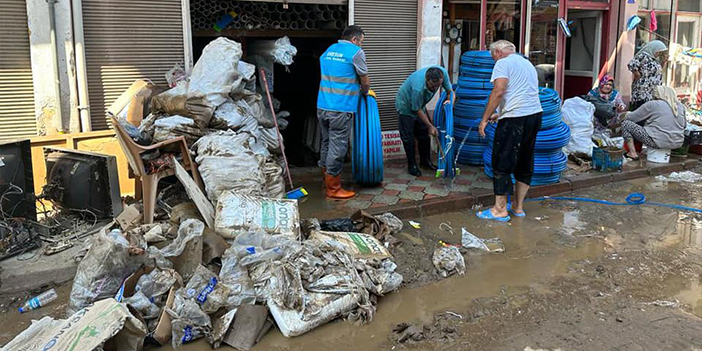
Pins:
x: 241, y: 174
x: 145, y: 306
x: 269, y: 136
x: 237, y: 214
x: 360, y: 245
x: 394, y: 224
x: 236, y: 278
x: 284, y: 51
x: 234, y: 115
x: 188, y: 230
x: 259, y: 110
x: 216, y: 73
x: 379, y: 277
x: 247, y: 70
x: 103, y: 269
x: 192, y: 105
x: 275, y: 184
x: 158, y: 282
x: 188, y: 321
x: 172, y: 127
x: 204, y: 287
x: 470, y: 241
x: 222, y: 143
x: 448, y: 261
x: 108, y: 322
x: 291, y: 323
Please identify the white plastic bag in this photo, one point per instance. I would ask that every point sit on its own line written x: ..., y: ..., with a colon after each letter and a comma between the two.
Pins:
x: 284, y: 51
x: 216, y: 73
x: 234, y: 115
x: 103, y: 269
x: 448, y: 261
x: 578, y: 115
x: 237, y: 214
x: 292, y: 323
x: 227, y: 163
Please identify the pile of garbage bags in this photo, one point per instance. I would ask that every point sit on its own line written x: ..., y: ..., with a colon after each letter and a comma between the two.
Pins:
x: 224, y: 120
x: 176, y: 281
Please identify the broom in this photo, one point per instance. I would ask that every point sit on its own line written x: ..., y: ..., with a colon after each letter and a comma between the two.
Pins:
x: 296, y: 193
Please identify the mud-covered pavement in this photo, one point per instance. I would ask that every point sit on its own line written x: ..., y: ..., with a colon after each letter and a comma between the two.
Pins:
x: 573, y: 277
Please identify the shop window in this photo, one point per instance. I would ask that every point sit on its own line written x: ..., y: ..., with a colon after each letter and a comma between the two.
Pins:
x: 581, y: 47
x: 662, y: 5
x: 689, y: 5
x: 503, y: 21
x: 470, y: 15
x: 663, y: 30
x: 543, y: 40
x: 644, y: 4
x: 643, y: 36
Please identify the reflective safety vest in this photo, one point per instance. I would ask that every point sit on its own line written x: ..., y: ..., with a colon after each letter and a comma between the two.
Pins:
x: 340, y: 88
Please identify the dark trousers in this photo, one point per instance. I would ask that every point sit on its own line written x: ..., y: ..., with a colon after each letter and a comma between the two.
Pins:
x: 513, y: 152
x: 411, y: 128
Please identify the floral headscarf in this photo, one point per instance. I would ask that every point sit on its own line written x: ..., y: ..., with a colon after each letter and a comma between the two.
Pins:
x: 611, y: 96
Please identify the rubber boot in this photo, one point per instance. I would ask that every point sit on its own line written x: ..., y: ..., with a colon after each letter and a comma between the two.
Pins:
x: 334, y: 189
x: 411, y: 161
x: 425, y: 154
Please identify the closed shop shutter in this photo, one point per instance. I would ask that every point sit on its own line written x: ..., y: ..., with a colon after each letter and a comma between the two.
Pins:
x: 391, y: 49
x: 17, y: 118
x: 126, y: 40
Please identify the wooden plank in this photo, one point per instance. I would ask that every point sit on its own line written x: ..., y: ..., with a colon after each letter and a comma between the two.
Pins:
x: 203, y: 204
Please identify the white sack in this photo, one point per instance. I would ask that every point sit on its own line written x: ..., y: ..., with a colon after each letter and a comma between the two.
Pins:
x: 578, y: 115
x: 237, y: 214
x: 216, y: 72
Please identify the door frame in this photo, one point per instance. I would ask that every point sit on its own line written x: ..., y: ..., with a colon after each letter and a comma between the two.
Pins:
x: 598, y: 46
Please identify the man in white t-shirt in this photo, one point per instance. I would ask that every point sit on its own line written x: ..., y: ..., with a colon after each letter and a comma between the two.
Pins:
x: 515, y: 96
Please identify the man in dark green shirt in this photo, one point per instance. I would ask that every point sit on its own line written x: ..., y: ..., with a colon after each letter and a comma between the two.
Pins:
x: 414, y: 94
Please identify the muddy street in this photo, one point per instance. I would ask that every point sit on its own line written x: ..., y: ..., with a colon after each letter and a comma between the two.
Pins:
x: 573, y: 276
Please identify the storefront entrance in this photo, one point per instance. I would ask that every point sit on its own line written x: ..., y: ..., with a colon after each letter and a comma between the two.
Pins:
x: 583, y: 52
x: 569, y: 65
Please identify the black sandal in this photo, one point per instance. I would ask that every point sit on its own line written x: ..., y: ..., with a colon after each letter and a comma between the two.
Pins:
x: 631, y: 158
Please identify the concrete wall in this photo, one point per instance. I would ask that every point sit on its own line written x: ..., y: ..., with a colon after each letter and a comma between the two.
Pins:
x: 56, y: 111
x: 429, y: 26
x: 625, y: 49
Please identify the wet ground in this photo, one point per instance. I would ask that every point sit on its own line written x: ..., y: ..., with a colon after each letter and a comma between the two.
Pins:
x: 573, y: 277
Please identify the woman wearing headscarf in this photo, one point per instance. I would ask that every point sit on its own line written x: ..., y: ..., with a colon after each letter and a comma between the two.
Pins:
x: 658, y: 124
x: 647, y: 69
x: 608, y: 102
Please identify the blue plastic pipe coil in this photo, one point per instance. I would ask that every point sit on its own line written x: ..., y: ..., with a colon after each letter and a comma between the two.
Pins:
x: 367, y: 156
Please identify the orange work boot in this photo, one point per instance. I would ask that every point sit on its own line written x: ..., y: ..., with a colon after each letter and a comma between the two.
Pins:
x: 334, y: 189
x: 324, y: 176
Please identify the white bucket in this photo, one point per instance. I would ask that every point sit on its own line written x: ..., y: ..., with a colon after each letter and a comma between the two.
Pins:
x: 658, y: 155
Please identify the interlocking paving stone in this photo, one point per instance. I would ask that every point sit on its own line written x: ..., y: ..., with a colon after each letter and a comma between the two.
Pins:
x: 372, y: 191
x: 423, y: 183
x: 411, y: 195
x: 358, y: 204
x: 386, y: 199
x: 398, y: 187
x: 436, y: 191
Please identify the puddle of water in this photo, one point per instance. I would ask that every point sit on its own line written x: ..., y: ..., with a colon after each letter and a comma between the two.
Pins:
x: 688, y: 292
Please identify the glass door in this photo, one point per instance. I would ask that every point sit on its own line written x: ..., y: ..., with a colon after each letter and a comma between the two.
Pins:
x: 688, y: 36
x: 582, y: 56
x: 541, y: 40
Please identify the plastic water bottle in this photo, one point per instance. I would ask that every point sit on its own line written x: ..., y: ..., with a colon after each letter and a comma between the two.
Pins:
x: 39, y: 301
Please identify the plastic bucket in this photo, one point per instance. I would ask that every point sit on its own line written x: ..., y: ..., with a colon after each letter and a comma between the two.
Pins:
x: 658, y: 155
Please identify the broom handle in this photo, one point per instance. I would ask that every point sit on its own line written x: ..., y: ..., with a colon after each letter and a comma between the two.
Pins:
x: 275, y: 120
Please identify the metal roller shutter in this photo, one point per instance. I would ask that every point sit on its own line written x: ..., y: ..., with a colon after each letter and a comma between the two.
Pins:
x: 17, y: 117
x: 391, y: 49
x: 126, y: 40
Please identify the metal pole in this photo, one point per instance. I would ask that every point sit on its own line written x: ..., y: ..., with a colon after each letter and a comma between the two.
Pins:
x: 54, y: 64
x: 275, y: 120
